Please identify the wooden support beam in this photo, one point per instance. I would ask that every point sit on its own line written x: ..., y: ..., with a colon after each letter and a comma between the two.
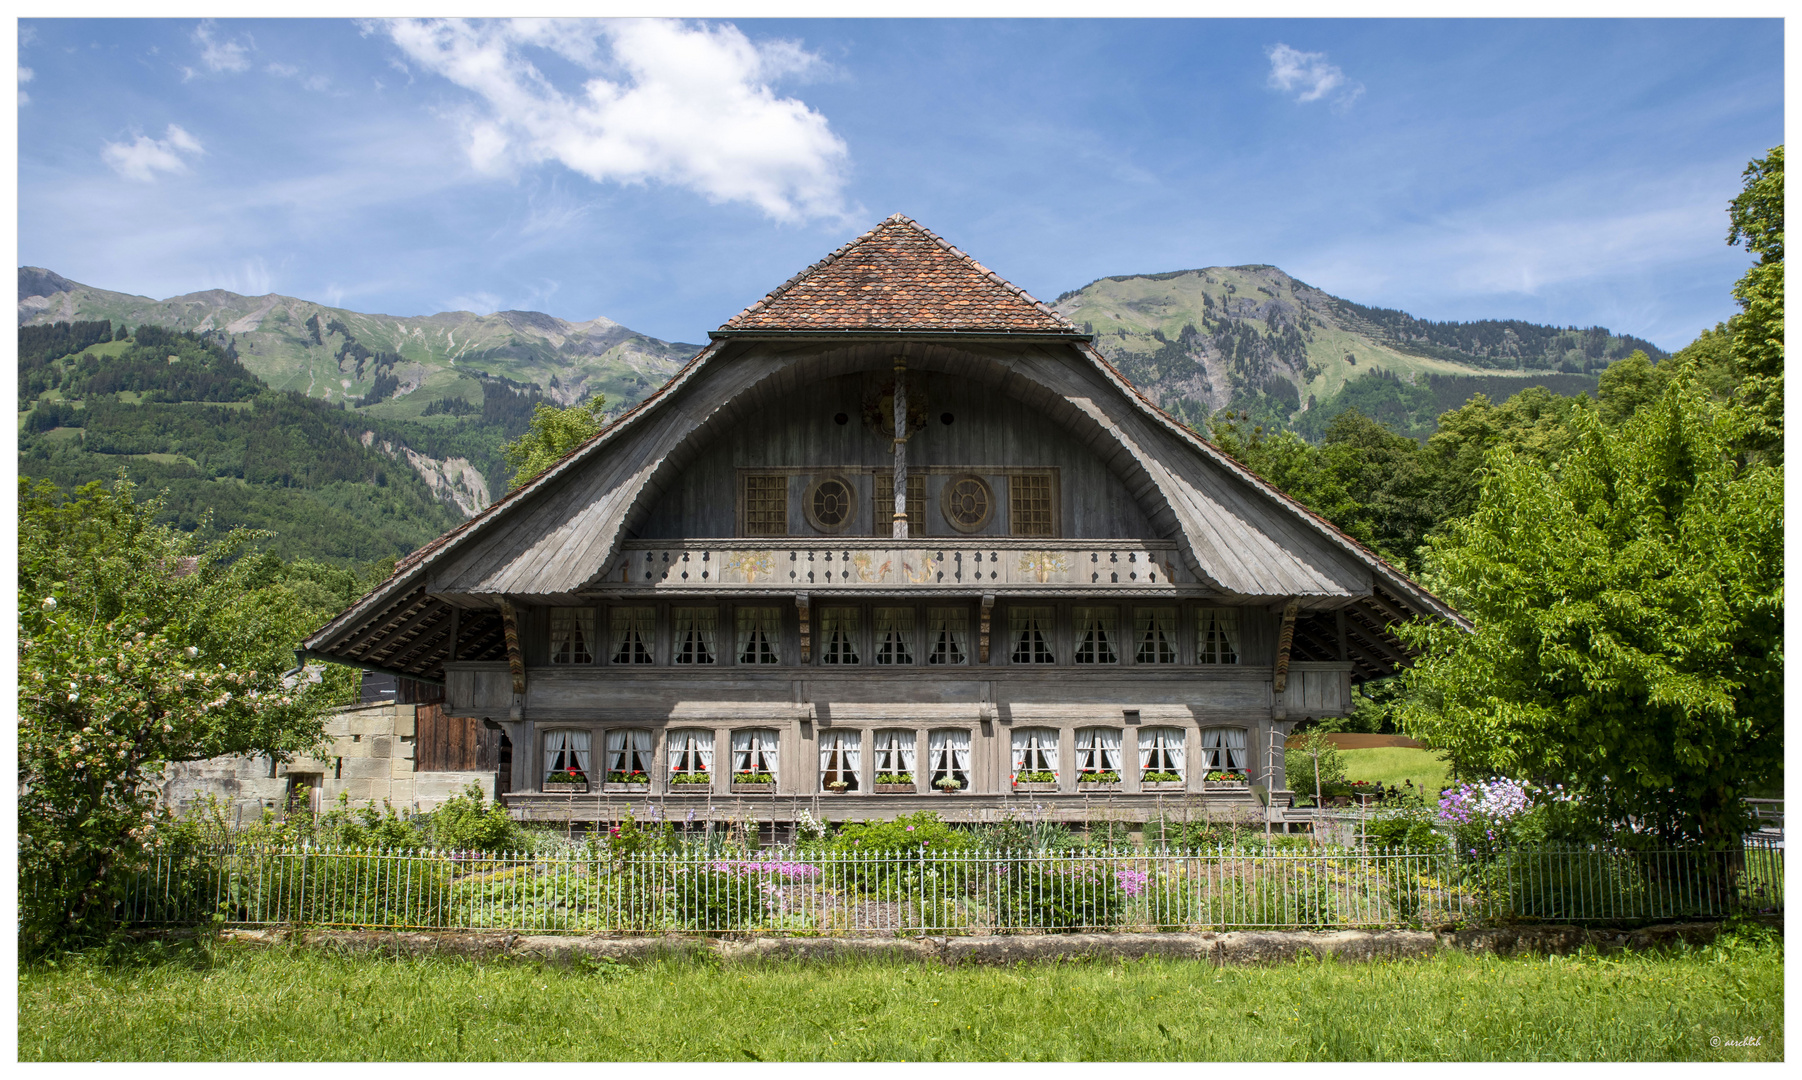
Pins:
x: 516, y: 661
x: 392, y: 641
x: 456, y: 628
x: 1374, y: 638
x: 1279, y: 679
x: 803, y: 606
x: 1339, y: 619
x: 982, y: 624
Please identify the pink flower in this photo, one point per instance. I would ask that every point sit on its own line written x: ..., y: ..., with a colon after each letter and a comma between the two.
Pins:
x: 910, y: 828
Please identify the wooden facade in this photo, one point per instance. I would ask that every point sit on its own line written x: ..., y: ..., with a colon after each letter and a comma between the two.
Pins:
x: 715, y: 600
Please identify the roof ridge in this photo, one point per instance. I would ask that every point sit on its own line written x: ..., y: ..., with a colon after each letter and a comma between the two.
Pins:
x: 990, y: 274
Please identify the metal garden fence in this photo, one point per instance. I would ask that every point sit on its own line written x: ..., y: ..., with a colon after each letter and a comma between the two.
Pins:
x: 946, y: 893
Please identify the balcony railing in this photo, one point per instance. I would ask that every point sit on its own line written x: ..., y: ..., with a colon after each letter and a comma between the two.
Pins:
x: 882, y: 566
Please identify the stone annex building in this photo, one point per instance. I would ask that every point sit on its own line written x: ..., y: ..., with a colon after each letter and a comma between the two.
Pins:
x: 899, y: 537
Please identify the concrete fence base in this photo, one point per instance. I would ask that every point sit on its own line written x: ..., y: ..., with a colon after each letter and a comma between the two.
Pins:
x: 1233, y: 947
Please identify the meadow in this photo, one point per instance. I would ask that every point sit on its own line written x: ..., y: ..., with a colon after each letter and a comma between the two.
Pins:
x: 249, y: 1003
x: 1390, y: 765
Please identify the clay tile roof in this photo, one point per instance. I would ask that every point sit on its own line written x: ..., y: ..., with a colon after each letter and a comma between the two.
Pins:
x: 899, y: 276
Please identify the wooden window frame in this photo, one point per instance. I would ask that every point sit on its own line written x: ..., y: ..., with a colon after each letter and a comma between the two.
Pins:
x: 742, y: 508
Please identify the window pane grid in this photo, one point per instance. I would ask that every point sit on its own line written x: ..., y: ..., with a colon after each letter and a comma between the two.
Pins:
x: 882, y: 514
x: 1095, y: 635
x: 766, y: 506
x: 1217, y: 636
x: 894, y: 635
x: 1029, y: 505
x: 1030, y: 628
x: 572, y: 632
x: 759, y: 631
x: 694, y: 641
x: 634, y: 634
x: 838, y: 635
x: 1154, y: 629
x: 947, y: 631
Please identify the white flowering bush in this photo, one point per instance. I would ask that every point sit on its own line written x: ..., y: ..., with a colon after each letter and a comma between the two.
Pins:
x: 138, y: 646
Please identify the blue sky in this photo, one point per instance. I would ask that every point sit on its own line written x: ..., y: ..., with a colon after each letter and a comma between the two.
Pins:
x: 667, y: 174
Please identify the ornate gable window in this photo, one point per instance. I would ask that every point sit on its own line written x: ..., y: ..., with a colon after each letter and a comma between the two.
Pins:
x: 947, y: 634
x: 838, y: 635
x: 572, y: 635
x: 1154, y: 629
x: 1030, y: 628
x: 634, y: 635
x: 1095, y: 635
x: 759, y: 635
x: 695, y: 634
x: 1217, y: 635
x: 894, y: 635
x: 967, y: 502
x: 831, y: 505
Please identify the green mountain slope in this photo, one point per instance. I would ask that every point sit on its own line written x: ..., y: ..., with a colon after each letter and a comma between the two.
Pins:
x: 399, y: 366
x: 1254, y: 339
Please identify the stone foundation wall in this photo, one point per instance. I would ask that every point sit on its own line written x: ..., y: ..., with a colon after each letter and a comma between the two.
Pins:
x: 371, y: 759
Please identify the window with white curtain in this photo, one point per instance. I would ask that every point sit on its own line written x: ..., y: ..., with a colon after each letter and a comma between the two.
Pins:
x: 1095, y: 635
x: 566, y: 752
x: 1217, y: 635
x: 839, y: 759
x: 634, y: 635
x: 1030, y: 628
x: 1223, y: 749
x: 947, y: 635
x: 948, y: 751
x: 1161, y: 754
x: 1035, y: 755
x: 628, y: 756
x: 690, y: 757
x: 754, y: 754
x: 892, y: 754
x: 838, y: 635
x: 759, y: 635
x: 894, y: 635
x: 695, y: 629
x: 1097, y: 751
x: 572, y: 635
x: 1154, y: 632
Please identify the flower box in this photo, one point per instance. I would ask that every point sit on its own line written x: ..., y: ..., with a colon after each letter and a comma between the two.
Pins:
x: 753, y: 784
x: 625, y: 789
x: 565, y: 787
x: 1029, y: 786
x: 894, y: 789
x: 1163, y: 785
x: 1225, y: 785
x: 690, y: 783
x: 1095, y: 786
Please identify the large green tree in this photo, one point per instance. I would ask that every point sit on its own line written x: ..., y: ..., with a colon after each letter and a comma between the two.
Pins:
x: 553, y: 433
x: 1757, y: 222
x: 139, y: 646
x: 1627, y: 597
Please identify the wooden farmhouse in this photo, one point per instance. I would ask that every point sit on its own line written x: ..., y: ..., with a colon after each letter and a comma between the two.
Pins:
x: 898, y: 538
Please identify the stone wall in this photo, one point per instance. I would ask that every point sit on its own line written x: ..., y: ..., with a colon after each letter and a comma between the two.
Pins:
x: 371, y: 759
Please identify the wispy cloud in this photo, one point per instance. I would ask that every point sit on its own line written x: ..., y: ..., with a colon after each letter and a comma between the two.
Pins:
x: 145, y: 157
x: 216, y: 54
x: 25, y: 76
x: 687, y: 104
x: 283, y: 71
x: 1308, y: 76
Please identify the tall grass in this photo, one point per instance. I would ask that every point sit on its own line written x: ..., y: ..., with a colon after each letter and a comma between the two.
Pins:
x: 1389, y: 766
x: 240, y: 1003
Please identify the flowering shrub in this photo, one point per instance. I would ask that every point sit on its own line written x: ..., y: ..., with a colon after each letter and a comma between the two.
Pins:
x: 636, y: 776
x: 1132, y: 882
x: 1502, y: 812
x: 793, y: 871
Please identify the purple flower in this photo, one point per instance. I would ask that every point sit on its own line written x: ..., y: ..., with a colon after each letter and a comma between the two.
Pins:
x: 1132, y: 882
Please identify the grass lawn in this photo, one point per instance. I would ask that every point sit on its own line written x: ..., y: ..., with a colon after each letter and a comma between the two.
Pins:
x: 249, y: 1004
x: 1392, y: 765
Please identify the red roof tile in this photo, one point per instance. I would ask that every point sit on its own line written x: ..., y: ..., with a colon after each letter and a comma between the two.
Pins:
x: 899, y: 276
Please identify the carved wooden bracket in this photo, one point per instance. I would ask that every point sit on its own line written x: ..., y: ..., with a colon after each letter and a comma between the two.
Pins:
x: 801, y: 605
x: 982, y: 629
x: 516, y: 661
x: 1279, y: 681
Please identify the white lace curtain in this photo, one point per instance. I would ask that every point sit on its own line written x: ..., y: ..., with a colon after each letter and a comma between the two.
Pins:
x: 690, y: 751
x: 755, y: 751
x: 628, y: 750
x: 894, y: 635
x: 838, y: 635
x: 1217, y: 635
x: 950, y: 752
x: 696, y: 632
x: 1161, y: 750
x: 1155, y: 629
x: 1035, y: 750
x: 947, y: 636
x: 1098, y: 750
x: 634, y: 634
x: 572, y: 635
x: 564, y: 747
x: 1095, y: 635
x: 839, y: 758
x: 894, y: 751
x: 1224, y: 748
x: 759, y: 635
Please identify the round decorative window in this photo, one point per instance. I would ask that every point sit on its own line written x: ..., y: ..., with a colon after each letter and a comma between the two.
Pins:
x: 968, y: 503
x: 831, y: 504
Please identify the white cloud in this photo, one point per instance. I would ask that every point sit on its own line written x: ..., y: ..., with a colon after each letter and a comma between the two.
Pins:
x: 143, y: 159
x: 679, y: 103
x: 1309, y: 76
x: 285, y: 71
x: 25, y: 76
x: 219, y: 55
